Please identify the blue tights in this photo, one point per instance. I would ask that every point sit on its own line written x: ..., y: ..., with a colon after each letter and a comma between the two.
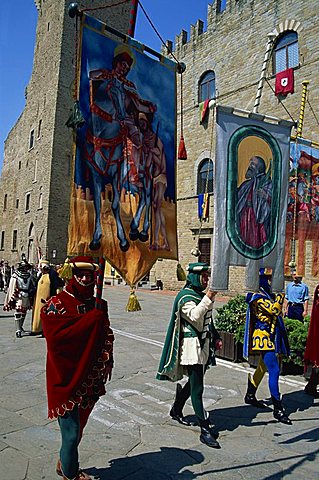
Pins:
x: 271, y: 361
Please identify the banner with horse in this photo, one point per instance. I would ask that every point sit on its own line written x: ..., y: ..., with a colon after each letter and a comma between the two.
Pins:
x: 303, y: 206
x: 251, y: 171
x: 123, y: 203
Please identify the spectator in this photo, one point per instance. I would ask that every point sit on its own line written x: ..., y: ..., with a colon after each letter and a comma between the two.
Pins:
x: 311, y: 357
x: 296, y: 298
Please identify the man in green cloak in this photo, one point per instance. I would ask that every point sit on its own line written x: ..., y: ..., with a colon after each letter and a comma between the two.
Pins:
x: 189, y: 348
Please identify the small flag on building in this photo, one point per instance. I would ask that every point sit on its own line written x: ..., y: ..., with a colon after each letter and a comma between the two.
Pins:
x: 203, y: 206
x: 203, y: 111
x: 284, y: 83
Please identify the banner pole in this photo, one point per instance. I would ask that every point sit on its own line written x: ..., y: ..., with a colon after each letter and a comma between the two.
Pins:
x: 305, y: 84
x: 271, y: 37
x: 99, y: 283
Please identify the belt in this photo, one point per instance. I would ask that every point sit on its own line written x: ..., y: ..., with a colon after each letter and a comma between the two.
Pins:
x: 295, y: 304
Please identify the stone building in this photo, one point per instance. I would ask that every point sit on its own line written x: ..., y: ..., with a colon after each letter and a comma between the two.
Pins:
x: 227, y: 59
x: 36, y: 175
x: 224, y: 62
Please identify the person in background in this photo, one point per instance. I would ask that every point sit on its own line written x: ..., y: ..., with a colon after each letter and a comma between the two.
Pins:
x: 20, y: 293
x: 79, y: 359
x: 190, y: 340
x: 311, y: 357
x: 48, y: 282
x: 265, y: 334
x: 296, y: 298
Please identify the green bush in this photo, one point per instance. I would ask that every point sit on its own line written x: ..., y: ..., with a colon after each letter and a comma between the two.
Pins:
x: 231, y: 317
x: 297, y: 334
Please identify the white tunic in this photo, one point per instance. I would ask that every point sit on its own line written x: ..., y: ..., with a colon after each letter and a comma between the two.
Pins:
x: 200, y: 317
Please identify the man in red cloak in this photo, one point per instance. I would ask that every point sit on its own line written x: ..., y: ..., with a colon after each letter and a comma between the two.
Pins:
x: 79, y: 359
x: 312, y: 347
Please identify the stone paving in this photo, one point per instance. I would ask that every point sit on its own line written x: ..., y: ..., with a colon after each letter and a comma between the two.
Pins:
x: 130, y: 434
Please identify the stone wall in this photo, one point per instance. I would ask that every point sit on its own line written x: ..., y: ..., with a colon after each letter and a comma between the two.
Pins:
x: 233, y: 46
x: 44, y: 171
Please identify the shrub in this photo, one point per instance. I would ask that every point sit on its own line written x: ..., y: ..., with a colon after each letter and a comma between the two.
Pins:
x: 297, y: 334
x: 231, y: 317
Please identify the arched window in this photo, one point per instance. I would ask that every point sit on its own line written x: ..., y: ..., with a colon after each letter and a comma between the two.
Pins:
x: 207, y: 89
x: 286, y: 53
x: 205, y: 175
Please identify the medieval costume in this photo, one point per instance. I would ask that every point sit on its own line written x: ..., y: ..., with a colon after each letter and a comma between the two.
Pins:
x: 265, y: 334
x: 311, y: 357
x: 79, y: 359
x: 19, y: 296
x: 189, y: 348
x: 47, y: 284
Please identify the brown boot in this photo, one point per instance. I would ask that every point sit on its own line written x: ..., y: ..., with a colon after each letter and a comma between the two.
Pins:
x: 80, y: 476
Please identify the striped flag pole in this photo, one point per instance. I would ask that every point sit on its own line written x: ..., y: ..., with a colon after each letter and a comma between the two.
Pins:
x: 270, y: 42
x: 99, y: 283
x: 133, y: 13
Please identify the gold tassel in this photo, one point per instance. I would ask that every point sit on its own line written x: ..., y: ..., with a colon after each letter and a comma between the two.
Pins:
x: 133, y: 305
x: 181, y: 275
x: 65, y: 272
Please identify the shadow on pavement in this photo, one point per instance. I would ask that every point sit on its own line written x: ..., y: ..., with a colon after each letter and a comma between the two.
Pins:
x: 151, y: 465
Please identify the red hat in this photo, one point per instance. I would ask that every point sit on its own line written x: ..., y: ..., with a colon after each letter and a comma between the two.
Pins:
x: 84, y: 262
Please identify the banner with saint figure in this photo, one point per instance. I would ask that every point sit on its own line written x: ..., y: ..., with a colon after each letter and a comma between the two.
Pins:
x: 303, y: 206
x: 251, y: 172
x: 123, y: 203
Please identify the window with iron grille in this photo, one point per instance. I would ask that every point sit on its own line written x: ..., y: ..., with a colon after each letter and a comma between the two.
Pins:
x: 14, y: 239
x: 286, y: 52
x: 207, y: 89
x: 205, y: 175
x: 204, y: 247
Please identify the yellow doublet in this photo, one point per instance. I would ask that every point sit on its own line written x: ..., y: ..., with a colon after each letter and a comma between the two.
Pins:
x: 265, y: 313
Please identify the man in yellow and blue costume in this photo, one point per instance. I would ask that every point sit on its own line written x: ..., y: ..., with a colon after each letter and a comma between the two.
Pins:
x: 265, y: 333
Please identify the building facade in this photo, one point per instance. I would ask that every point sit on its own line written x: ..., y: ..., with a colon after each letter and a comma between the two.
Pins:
x: 224, y: 63
x: 36, y: 175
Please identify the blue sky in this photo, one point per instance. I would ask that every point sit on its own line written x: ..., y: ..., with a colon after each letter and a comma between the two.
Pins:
x: 18, y: 20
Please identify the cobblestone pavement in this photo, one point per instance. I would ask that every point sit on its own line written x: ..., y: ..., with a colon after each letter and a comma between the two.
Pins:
x: 130, y: 434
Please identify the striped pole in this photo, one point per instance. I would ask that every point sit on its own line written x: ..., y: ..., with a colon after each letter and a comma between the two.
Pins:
x: 260, y: 87
x: 305, y: 84
x: 132, y: 21
x: 99, y: 283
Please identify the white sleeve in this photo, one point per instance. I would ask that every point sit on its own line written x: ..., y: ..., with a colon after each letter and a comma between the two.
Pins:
x: 195, y: 313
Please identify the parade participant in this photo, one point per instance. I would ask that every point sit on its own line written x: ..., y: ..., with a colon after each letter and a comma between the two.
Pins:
x: 6, y: 275
x: 191, y: 336
x: 19, y: 296
x: 47, y: 284
x: 296, y: 299
x: 311, y: 357
x: 79, y: 359
x: 265, y: 334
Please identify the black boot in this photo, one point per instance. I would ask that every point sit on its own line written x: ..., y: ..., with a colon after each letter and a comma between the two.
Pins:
x: 279, y: 412
x: 250, y: 397
x: 177, y: 409
x: 311, y: 387
x: 206, y: 435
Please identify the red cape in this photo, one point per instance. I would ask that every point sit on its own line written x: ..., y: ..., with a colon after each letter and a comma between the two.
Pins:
x: 79, y: 353
x: 312, y: 346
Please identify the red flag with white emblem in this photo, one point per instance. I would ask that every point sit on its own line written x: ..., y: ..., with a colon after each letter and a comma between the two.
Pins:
x: 284, y: 82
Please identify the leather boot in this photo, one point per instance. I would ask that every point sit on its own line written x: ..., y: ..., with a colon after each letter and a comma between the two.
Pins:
x: 279, y: 412
x: 206, y: 435
x: 80, y: 476
x: 177, y: 410
x: 250, y: 397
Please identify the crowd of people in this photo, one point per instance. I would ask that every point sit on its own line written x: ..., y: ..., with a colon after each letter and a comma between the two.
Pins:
x: 29, y: 287
x: 80, y: 345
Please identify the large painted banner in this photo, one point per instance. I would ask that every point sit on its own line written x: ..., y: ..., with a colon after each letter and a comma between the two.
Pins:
x: 303, y: 205
x: 251, y: 172
x: 123, y: 204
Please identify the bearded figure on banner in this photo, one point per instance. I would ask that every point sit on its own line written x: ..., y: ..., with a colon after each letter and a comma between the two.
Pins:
x: 254, y: 204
